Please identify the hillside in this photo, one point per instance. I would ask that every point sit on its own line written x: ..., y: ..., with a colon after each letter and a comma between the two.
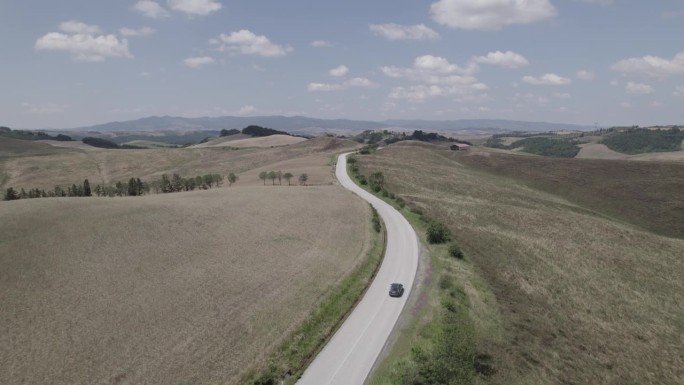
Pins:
x: 555, y: 288
x: 179, y: 288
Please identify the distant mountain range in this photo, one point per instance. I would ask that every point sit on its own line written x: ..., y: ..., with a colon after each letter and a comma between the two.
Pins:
x: 311, y: 126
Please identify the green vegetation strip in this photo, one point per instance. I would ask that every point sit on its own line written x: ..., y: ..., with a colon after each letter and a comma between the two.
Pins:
x: 641, y: 140
x: 292, y: 357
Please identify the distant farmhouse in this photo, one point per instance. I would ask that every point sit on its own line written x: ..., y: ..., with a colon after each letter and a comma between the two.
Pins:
x: 460, y: 147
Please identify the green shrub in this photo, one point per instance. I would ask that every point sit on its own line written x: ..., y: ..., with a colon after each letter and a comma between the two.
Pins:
x: 437, y: 233
x: 385, y: 193
x: 455, y: 251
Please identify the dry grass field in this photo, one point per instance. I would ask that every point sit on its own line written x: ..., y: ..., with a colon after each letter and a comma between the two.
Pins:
x: 65, y: 166
x: 581, y: 298
x: 601, y: 151
x: 244, y: 141
x: 185, y: 288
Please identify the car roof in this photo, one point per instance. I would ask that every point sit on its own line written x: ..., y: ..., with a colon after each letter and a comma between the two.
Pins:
x: 396, y: 284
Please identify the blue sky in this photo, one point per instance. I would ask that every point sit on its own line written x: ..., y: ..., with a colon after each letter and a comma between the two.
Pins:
x: 71, y: 63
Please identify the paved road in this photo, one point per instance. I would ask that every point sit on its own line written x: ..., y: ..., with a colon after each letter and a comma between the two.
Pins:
x: 349, y: 356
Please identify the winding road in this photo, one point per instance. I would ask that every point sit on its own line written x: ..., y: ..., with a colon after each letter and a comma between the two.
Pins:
x: 350, y: 354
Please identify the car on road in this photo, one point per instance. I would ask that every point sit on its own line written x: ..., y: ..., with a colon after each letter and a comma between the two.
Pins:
x: 396, y: 290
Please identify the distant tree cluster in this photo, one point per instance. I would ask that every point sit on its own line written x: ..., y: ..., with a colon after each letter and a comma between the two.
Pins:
x: 642, y: 140
x: 226, y: 132
x: 75, y: 190
x: 262, y: 131
x: 389, y: 137
x: 134, y: 187
x: 30, y: 135
x: 279, y: 175
x: 104, y: 143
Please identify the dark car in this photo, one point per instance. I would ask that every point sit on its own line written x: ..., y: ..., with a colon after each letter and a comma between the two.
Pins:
x: 396, y: 290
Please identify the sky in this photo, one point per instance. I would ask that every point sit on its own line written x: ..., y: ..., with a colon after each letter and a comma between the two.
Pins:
x: 73, y: 63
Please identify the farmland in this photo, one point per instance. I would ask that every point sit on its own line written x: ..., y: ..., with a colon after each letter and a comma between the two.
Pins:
x: 557, y: 288
x: 193, y: 287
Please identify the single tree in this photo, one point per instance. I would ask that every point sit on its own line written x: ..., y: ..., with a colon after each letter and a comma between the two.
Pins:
x: 132, y: 187
x: 177, y: 183
x: 86, y: 189
x: 140, y: 185
x: 280, y: 177
x: 272, y: 176
x: 263, y: 175
x: 11, y: 194
x: 288, y: 176
x: 166, y: 184
x: 303, y: 178
x: 232, y: 178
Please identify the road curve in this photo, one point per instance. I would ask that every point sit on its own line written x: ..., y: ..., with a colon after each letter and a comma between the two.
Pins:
x: 349, y: 356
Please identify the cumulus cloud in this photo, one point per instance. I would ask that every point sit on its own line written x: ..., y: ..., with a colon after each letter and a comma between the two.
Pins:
x: 245, y: 42
x: 547, y: 80
x: 508, y: 59
x: 438, y: 78
x: 76, y: 27
x: 490, y: 14
x: 195, y: 7
x: 639, y: 88
x: 355, y: 82
x: 150, y: 9
x: 584, y: 75
x: 653, y: 66
x: 392, y: 31
x: 144, y: 31
x: 321, y: 44
x: 195, y: 62
x: 82, y: 43
x: 339, y: 71
x: 246, y: 110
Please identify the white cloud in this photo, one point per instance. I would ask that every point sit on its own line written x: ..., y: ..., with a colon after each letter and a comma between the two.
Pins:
x: 321, y: 44
x: 358, y: 82
x: 150, y: 9
x: 313, y: 87
x: 547, y: 80
x: 525, y: 99
x: 490, y: 14
x: 561, y: 95
x: 508, y: 59
x: 653, y: 66
x: 671, y: 15
x: 639, y: 88
x: 655, y: 104
x: 440, y: 78
x: 195, y: 62
x: 195, y: 7
x: 679, y: 91
x: 246, y: 110
x: 245, y: 42
x: 392, y: 31
x: 339, y: 71
x: 614, y: 83
x: 355, y: 82
x: 76, y: 27
x: 144, y: 31
x: 626, y: 105
x: 584, y: 75
x: 82, y: 44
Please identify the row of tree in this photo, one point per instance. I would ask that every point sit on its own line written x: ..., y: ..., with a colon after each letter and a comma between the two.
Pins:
x: 134, y: 187
x: 279, y: 175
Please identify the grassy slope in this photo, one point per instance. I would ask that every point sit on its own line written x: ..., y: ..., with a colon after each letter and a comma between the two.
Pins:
x: 582, y: 298
x: 647, y: 194
x: 168, y: 289
x: 66, y: 166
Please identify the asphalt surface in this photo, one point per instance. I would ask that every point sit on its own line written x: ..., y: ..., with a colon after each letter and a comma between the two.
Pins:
x: 349, y: 356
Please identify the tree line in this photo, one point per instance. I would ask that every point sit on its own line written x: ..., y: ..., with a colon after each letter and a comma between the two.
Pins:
x: 279, y: 175
x: 134, y: 187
